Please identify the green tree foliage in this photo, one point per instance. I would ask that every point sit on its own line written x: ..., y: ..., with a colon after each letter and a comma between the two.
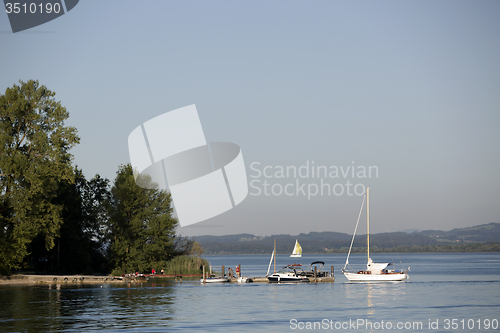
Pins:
x: 78, y: 248
x: 141, y: 227
x: 197, y: 249
x: 34, y: 159
x: 183, y: 246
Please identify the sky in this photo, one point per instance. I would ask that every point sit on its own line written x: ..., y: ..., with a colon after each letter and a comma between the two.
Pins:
x: 409, y: 88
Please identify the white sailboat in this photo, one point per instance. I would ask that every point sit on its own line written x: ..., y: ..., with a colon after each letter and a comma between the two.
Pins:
x: 297, y: 250
x: 374, y: 272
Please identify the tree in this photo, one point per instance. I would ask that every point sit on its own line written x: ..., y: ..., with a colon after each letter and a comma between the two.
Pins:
x: 34, y: 148
x: 141, y: 226
x: 79, y: 245
x: 197, y: 249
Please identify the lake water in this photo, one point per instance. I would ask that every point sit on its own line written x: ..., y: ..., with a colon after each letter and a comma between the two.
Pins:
x: 445, y: 292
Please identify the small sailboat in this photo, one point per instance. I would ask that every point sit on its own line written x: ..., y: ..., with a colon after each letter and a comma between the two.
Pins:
x: 297, y: 250
x: 374, y: 272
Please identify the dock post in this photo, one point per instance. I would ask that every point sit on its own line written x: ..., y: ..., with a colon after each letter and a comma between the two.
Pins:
x: 331, y: 274
x: 175, y: 273
x: 223, y: 271
x: 239, y: 270
x: 204, y: 278
x: 210, y: 269
x: 181, y: 275
x: 315, y: 273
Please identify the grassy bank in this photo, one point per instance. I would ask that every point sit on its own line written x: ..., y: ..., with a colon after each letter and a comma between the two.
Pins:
x: 186, y: 265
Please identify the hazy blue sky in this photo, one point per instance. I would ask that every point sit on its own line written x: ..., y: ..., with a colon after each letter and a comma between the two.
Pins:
x: 410, y: 87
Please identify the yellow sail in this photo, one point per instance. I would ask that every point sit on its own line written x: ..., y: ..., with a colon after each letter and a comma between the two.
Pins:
x: 297, y: 250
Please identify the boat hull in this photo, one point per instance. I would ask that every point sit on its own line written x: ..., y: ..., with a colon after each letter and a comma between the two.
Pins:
x: 244, y: 280
x: 391, y: 277
x: 287, y: 279
x: 215, y: 280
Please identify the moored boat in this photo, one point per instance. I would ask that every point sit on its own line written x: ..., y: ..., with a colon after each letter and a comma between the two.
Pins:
x: 243, y: 279
x: 287, y: 274
x: 215, y: 279
x: 309, y: 272
x: 374, y: 272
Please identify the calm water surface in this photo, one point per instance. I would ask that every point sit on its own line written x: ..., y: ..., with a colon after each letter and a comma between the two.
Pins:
x: 442, y: 287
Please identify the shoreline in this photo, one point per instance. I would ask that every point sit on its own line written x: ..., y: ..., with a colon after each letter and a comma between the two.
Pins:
x: 343, y: 253
x: 57, y: 279
x: 23, y: 279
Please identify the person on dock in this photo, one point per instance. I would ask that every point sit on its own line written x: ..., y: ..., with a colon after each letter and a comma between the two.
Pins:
x: 230, y: 272
x: 153, y: 271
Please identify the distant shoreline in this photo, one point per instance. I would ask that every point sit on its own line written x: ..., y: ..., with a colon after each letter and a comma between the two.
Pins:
x: 436, y: 248
x: 312, y: 253
x: 481, y: 238
x: 496, y: 250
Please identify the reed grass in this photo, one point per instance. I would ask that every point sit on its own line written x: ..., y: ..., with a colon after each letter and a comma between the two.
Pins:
x: 186, y: 265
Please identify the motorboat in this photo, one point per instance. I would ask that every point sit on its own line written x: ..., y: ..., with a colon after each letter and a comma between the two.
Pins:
x: 243, y: 279
x: 215, y: 279
x: 287, y: 274
x: 309, y: 272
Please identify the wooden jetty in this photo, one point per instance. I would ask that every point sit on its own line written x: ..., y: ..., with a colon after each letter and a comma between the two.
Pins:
x: 313, y: 276
x: 311, y: 279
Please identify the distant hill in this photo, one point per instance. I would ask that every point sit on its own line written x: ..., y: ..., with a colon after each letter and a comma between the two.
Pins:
x: 481, y: 233
x: 335, y: 242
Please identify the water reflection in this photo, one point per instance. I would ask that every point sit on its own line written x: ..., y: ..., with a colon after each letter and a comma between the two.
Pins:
x: 376, y: 295
x: 371, y: 310
x: 43, y: 308
x: 161, y: 305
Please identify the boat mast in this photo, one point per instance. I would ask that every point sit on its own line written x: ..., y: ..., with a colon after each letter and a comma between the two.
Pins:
x: 354, y: 234
x: 368, y: 221
x: 274, y: 251
x: 270, y: 262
